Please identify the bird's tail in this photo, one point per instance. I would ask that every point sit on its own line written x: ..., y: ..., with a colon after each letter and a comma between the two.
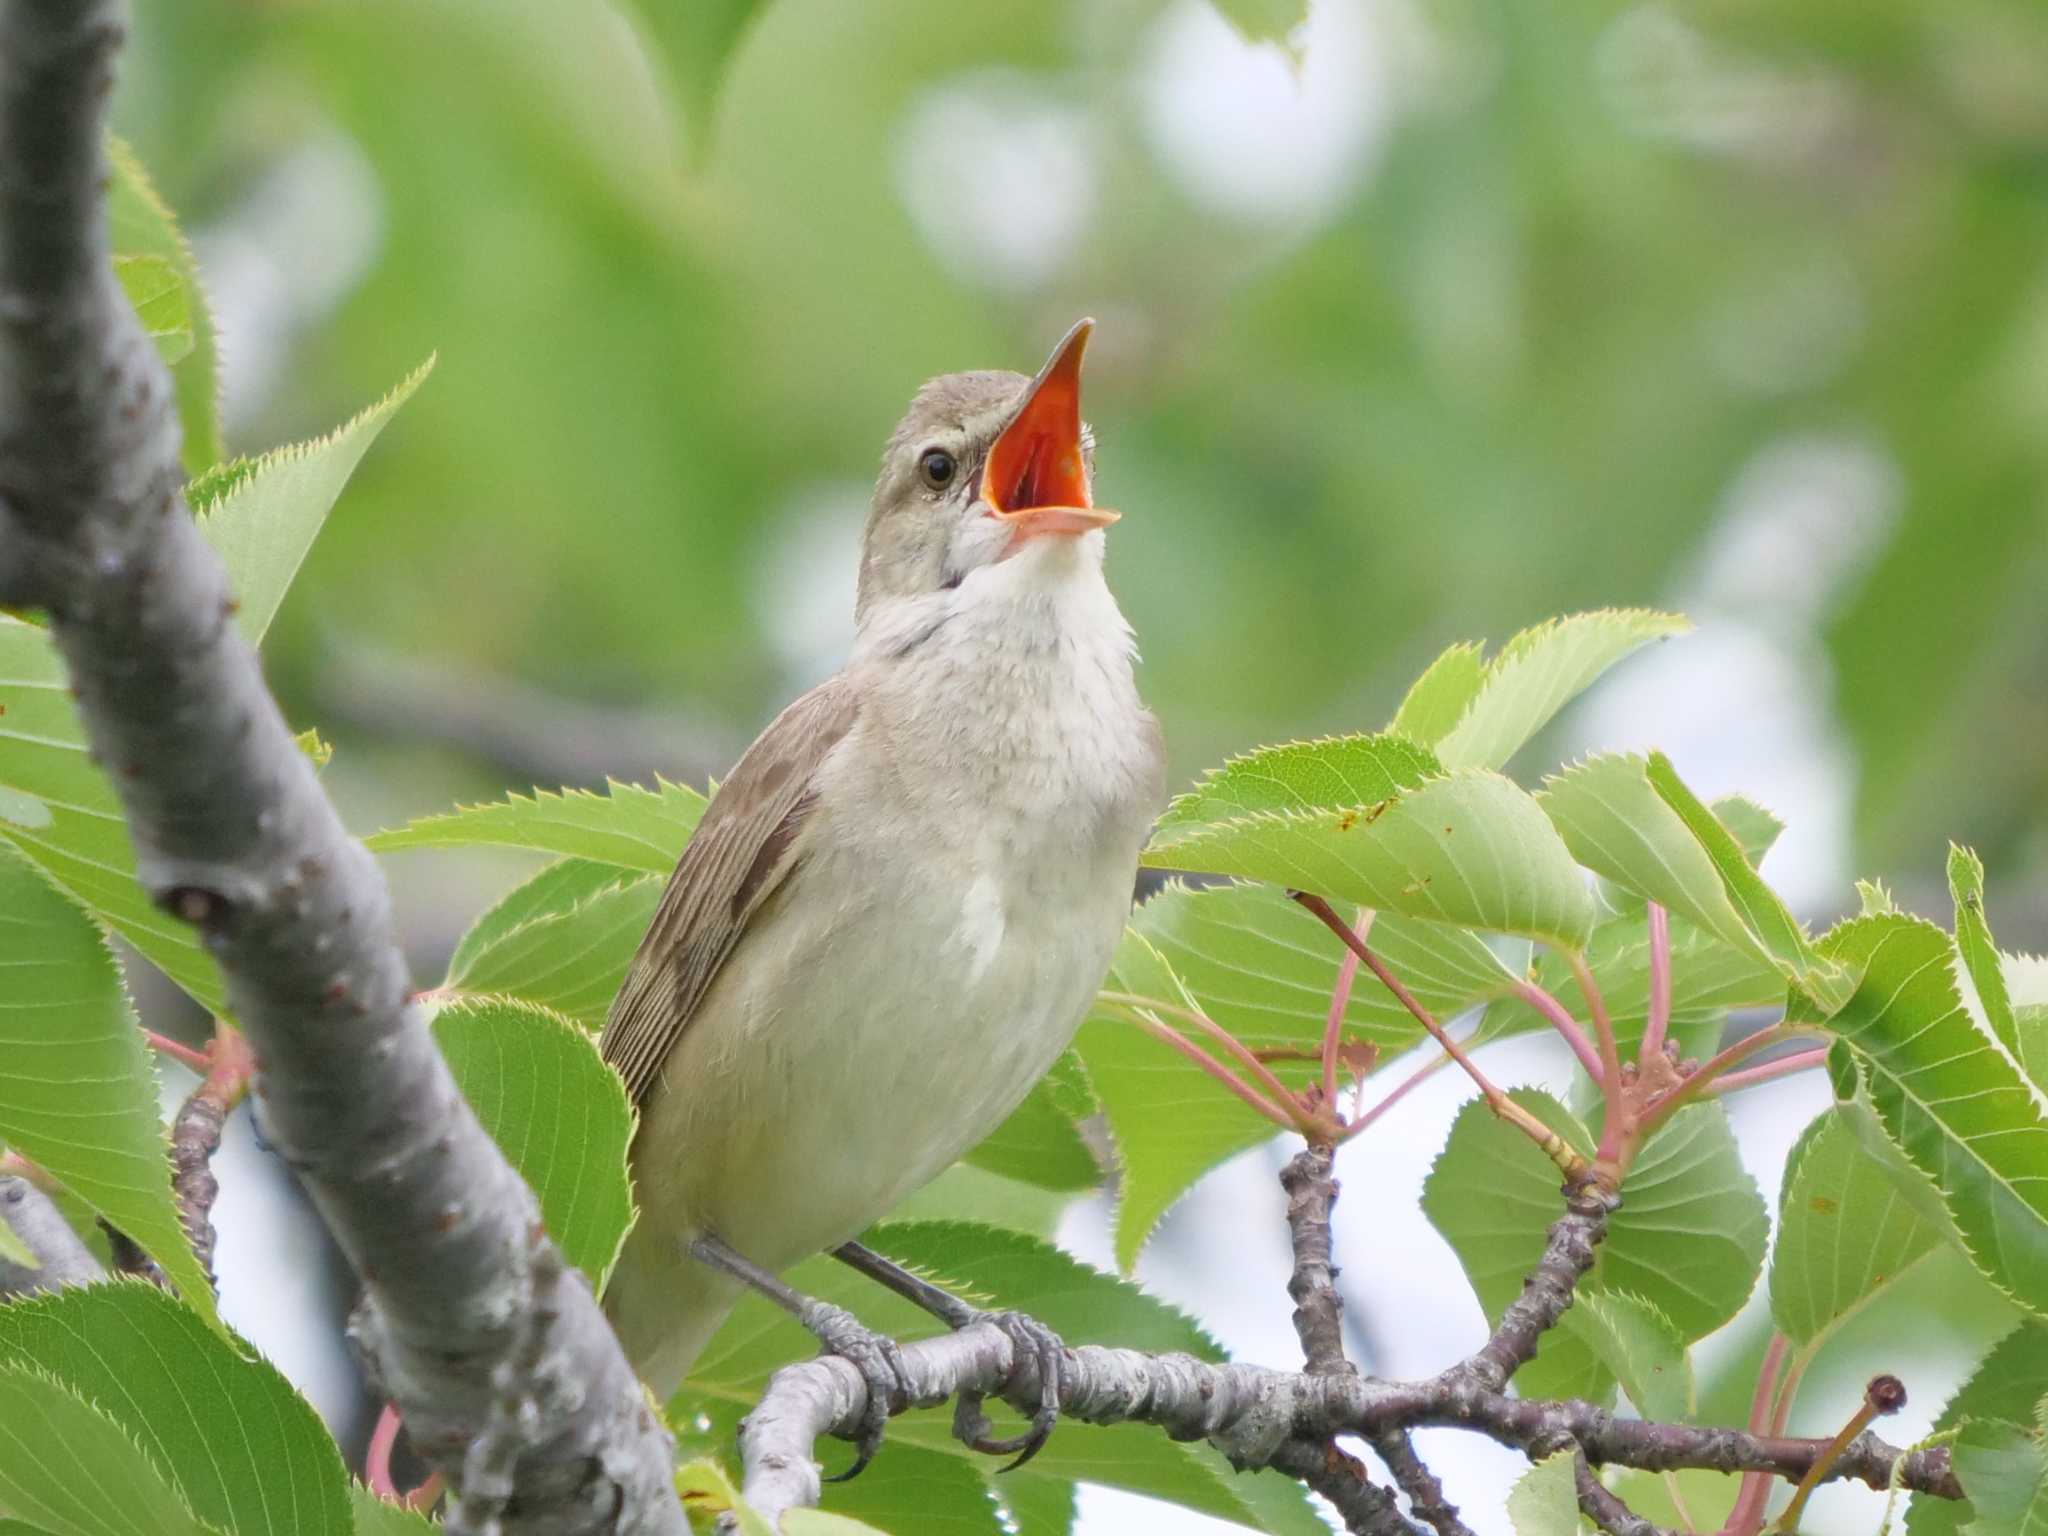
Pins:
x: 664, y: 1308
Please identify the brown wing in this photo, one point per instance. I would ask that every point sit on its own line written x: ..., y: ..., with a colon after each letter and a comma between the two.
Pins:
x: 747, y: 843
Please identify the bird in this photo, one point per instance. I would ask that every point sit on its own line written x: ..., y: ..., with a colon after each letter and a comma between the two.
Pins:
x: 896, y: 910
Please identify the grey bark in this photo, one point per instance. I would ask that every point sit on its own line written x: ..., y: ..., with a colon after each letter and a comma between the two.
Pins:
x: 61, y: 1255
x: 492, y: 1348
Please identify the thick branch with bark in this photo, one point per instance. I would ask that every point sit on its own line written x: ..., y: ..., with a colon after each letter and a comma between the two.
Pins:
x: 61, y: 1255
x: 492, y: 1347
x: 1249, y: 1412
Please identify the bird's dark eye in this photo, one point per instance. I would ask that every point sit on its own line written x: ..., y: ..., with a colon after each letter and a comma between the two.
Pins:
x: 937, y: 468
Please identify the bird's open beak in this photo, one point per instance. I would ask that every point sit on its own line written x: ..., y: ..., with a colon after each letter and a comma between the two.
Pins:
x: 1037, y: 477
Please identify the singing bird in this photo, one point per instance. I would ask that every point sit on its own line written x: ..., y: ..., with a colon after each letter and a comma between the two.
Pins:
x: 897, y: 908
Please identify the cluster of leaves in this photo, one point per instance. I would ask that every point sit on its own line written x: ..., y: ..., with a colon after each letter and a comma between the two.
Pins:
x: 1936, y: 1142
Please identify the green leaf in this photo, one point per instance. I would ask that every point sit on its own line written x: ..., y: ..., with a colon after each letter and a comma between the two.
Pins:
x: 1688, y: 1239
x: 2004, y: 1469
x: 1005, y: 1269
x: 967, y: 1193
x: 1471, y: 849
x: 1171, y: 1122
x: 66, y: 820
x: 1630, y: 821
x: 1948, y: 1097
x: 918, y: 1490
x: 161, y: 303
x: 1263, y: 968
x: 150, y: 250
x: 1541, y: 670
x: 1638, y: 1346
x: 1687, y: 1500
x: 1758, y: 905
x: 1973, y: 943
x: 1041, y: 1508
x: 1265, y: 21
x: 570, y: 961
x: 628, y: 826
x: 1874, y: 900
x: 1753, y: 827
x: 1708, y: 978
x: 2007, y: 1384
x: 273, y: 507
x: 695, y: 40
x: 245, y: 1451
x: 68, y: 1022
x: 15, y: 1251
x: 707, y: 1491
x: 559, y: 887
x: 69, y: 1469
x: 56, y: 806
x: 380, y: 1517
x: 1844, y: 1232
x: 1545, y: 1499
x: 1040, y: 1143
x: 556, y: 1111
x: 1335, y: 773
x: 1440, y: 697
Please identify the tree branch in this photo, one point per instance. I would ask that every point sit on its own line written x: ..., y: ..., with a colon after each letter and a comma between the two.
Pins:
x: 493, y: 1349
x: 1547, y: 1294
x: 195, y: 1137
x: 1413, y: 1477
x: 1318, y: 1310
x: 1366, y: 1508
x: 1250, y: 1412
x: 61, y: 1255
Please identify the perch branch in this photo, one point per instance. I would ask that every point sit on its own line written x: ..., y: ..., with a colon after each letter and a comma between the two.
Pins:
x: 491, y: 1346
x: 1250, y: 1412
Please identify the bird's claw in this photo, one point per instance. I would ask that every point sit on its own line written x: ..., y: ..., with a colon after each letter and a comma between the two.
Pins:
x: 880, y: 1365
x: 1029, y: 1337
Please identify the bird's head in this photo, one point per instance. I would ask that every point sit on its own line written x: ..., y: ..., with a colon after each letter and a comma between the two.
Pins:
x: 980, y: 465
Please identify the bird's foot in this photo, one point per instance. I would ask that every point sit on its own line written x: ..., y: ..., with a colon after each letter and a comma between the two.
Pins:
x: 1030, y: 1339
x: 880, y: 1364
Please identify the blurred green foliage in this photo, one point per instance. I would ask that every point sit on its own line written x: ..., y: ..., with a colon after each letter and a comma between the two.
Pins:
x: 1588, y: 262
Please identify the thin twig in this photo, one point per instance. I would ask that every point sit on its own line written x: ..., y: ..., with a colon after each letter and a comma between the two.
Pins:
x: 177, y: 1050
x: 1400, y: 1090
x: 1568, y: 1252
x: 1561, y: 1020
x: 1160, y: 1030
x: 195, y: 1137
x: 1603, y: 1026
x: 1784, y: 1066
x: 1366, y: 1508
x: 1553, y: 1145
x: 1659, y: 1021
x: 1746, y: 1518
x: 1413, y: 1477
x: 1340, y: 1000
x: 1604, y: 1508
x: 1884, y: 1394
x: 1216, y: 1032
